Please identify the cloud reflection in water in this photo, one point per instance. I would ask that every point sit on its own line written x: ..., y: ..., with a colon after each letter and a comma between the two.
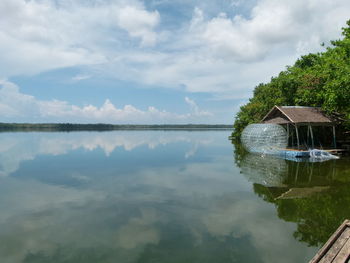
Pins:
x: 173, y: 207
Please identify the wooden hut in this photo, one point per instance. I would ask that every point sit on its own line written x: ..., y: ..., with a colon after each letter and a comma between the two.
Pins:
x: 295, y: 118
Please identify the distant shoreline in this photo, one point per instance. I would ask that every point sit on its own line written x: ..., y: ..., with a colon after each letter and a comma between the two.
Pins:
x: 67, y: 127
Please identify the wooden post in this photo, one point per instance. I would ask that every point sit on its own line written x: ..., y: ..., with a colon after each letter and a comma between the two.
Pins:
x: 311, y: 172
x: 297, y: 172
x: 296, y: 130
x: 312, y: 137
x: 334, y: 140
x: 287, y: 135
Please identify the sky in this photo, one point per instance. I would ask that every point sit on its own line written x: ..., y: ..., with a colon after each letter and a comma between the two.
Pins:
x: 151, y: 61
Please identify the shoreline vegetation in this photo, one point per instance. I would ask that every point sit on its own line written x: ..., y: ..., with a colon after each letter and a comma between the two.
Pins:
x: 316, y: 80
x: 68, y: 127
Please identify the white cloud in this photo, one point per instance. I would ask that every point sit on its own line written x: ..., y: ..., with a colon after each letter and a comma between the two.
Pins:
x: 13, y: 103
x: 18, y: 106
x: 225, y: 54
x: 273, y: 24
x: 37, y: 36
x: 81, y: 77
x: 229, y: 55
x: 227, y: 39
x: 139, y: 23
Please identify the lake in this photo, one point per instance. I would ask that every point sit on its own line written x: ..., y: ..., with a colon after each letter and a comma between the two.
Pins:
x: 162, y: 196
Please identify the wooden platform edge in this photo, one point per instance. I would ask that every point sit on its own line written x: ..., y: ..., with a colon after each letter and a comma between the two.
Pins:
x: 323, y: 251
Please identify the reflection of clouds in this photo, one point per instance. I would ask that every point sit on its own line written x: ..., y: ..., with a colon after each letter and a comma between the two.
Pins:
x: 139, y: 230
x: 198, y: 179
x: 18, y: 147
x: 31, y: 196
x: 192, y: 151
x: 116, y: 218
x: 271, y: 237
x: 109, y: 141
x: 28, y: 220
x: 210, y: 197
x: 13, y: 150
x: 88, y: 220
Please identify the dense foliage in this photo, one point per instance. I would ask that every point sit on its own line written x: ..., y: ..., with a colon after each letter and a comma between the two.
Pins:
x: 318, y: 80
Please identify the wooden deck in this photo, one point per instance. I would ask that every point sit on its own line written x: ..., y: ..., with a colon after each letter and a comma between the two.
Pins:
x: 297, y: 192
x: 337, y: 248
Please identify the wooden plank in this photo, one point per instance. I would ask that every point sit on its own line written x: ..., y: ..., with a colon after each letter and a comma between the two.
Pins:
x: 344, y: 254
x: 296, y: 130
x: 312, y: 137
x: 297, y: 192
x: 334, y: 139
x: 336, y: 247
x: 322, y: 252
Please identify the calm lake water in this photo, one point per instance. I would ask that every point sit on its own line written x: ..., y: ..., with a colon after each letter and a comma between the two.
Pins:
x: 161, y: 196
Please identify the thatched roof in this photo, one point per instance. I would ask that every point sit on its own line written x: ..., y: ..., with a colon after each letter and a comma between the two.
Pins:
x: 296, y: 115
x: 277, y: 120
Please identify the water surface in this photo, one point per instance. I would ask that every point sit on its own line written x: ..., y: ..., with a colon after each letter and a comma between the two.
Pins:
x: 161, y: 196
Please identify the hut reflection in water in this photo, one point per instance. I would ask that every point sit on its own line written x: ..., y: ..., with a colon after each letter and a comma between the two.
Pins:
x: 314, y: 195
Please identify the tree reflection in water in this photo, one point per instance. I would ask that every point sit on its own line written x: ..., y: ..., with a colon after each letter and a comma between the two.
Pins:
x: 315, y: 195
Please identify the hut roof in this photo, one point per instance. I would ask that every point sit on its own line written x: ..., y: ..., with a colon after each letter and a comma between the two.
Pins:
x: 296, y: 115
x: 277, y: 120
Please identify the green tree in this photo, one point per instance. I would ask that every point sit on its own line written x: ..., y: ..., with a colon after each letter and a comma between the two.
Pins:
x: 319, y: 80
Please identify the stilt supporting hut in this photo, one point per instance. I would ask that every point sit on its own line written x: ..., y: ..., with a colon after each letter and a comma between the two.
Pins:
x: 299, y: 118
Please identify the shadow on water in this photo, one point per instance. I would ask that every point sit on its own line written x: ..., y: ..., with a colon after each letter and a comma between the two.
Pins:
x: 314, y: 195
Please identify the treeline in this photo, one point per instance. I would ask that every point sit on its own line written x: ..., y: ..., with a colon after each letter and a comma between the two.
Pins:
x: 316, y: 80
x: 104, y: 127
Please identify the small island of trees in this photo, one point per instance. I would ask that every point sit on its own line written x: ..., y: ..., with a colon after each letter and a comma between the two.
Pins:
x: 67, y: 127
